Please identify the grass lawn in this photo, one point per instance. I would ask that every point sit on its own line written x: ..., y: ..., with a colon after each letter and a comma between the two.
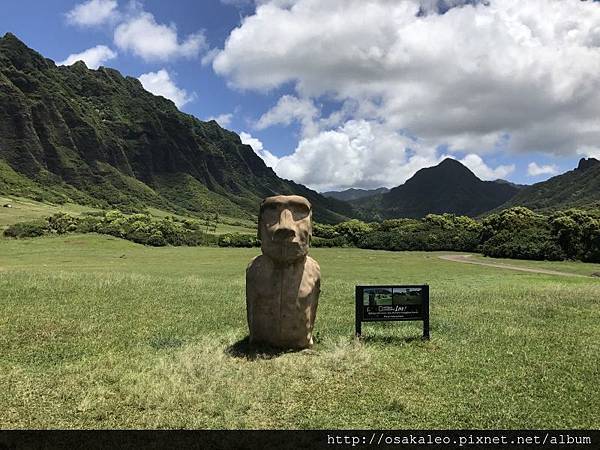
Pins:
x: 24, y: 209
x: 97, y: 332
x: 576, y: 267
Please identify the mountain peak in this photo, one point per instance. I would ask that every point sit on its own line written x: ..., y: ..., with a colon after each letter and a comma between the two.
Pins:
x: 449, y: 187
x: 10, y: 37
x: 454, y: 165
x: 449, y: 162
x: 585, y: 164
x: 21, y: 56
x: 448, y: 170
x: 12, y: 41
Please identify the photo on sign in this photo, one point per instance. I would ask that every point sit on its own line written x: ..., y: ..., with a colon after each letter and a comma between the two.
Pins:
x: 407, y: 296
x: 392, y: 296
x: 378, y: 296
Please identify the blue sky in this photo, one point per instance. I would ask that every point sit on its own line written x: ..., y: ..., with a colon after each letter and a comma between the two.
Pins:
x: 349, y: 93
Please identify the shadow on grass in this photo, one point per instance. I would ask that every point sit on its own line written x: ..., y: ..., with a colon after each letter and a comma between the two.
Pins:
x: 243, y: 349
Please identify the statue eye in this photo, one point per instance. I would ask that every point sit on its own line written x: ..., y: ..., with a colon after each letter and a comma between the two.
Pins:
x: 299, y: 212
x: 270, y: 214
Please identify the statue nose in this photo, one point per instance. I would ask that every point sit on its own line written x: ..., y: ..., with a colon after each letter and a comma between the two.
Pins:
x: 285, y: 228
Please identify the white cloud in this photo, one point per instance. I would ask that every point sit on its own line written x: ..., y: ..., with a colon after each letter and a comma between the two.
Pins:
x: 362, y: 154
x: 222, y: 119
x: 93, y: 13
x: 468, y: 78
x: 209, y: 56
x: 151, y: 41
x: 92, y: 57
x: 289, y: 109
x: 357, y: 154
x: 269, y: 159
x: 534, y: 170
x: 485, y: 172
x: 160, y: 83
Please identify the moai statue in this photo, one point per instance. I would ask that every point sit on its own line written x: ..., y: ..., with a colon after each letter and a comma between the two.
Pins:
x: 283, y: 284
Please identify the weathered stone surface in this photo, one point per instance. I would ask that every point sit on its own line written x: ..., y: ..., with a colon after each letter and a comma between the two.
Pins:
x: 283, y: 284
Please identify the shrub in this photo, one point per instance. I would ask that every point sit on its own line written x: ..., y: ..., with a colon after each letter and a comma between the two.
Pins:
x: 324, y: 231
x: 529, y: 243
x: 238, y: 240
x: 353, y: 230
x: 62, y: 223
x: 339, y: 241
x: 511, y: 220
x: 27, y: 229
x: 578, y: 234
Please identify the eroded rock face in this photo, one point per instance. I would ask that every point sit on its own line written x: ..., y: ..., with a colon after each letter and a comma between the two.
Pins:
x: 283, y: 284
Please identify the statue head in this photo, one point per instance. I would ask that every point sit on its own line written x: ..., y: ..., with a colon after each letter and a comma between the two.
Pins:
x: 285, y: 227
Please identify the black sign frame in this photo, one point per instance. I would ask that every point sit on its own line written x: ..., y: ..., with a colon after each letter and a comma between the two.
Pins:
x: 395, y: 316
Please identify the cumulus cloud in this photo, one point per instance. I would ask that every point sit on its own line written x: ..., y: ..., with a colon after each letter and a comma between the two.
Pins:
x: 534, y: 170
x: 289, y: 109
x: 474, y: 76
x: 93, y: 13
x: 485, y: 172
x: 362, y: 154
x: 357, y: 154
x: 92, y: 57
x: 223, y: 119
x: 143, y: 36
x: 160, y: 83
x: 270, y: 159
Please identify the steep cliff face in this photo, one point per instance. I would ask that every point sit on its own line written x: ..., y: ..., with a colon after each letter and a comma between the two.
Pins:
x: 94, y: 136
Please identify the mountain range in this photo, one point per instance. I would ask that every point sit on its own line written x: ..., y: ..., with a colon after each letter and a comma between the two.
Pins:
x: 69, y: 133
x: 95, y: 137
x: 354, y: 194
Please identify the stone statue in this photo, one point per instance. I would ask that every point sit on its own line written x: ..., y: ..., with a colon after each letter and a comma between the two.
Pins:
x: 283, y: 284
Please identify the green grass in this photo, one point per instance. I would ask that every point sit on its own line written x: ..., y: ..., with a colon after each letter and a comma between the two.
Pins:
x: 576, y: 267
x: 97, y: 332
x: 25, y: 209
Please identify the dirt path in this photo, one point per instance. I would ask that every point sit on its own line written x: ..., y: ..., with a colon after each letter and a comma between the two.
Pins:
x: 467, y: 259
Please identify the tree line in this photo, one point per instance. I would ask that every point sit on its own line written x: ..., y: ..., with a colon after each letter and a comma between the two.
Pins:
x: 512, y: 233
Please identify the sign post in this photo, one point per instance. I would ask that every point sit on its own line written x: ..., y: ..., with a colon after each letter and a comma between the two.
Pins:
x: 392, y: 303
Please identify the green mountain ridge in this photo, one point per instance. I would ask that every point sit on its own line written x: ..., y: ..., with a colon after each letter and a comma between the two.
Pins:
x: 449, y: 187
x: 95, y: 137
x: 577, y: 188
x: 354, y: 193
x: 69, y: 133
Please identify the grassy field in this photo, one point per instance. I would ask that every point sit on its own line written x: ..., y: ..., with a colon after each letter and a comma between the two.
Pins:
x: 97, y: 332
x: 24, y: 209
x: 576, y: 267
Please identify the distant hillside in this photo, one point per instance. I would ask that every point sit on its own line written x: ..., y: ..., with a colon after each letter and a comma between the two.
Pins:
x: 354, y: 194
x: 449, y: 187
x: 578, y: 188
x: 95, y: 137
x: 518, y: 186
